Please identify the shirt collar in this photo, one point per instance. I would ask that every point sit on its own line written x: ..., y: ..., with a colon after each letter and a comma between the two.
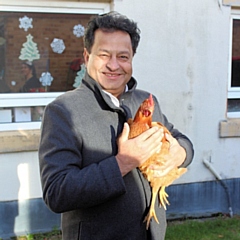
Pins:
x: 115, y: 100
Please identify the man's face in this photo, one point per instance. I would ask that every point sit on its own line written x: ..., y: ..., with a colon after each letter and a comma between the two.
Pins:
x: 110, y: 60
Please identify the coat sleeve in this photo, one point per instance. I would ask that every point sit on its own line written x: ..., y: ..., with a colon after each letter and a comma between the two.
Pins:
x: 183, y: 140
x: 66, y: 185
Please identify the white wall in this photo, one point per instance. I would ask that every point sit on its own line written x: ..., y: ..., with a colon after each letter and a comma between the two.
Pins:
x: 183, y: 59
x: 19, y: 176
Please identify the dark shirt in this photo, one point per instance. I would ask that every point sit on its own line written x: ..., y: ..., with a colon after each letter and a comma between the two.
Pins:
x: 31, y: 83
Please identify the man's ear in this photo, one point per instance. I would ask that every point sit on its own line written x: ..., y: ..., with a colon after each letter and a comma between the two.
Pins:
x: 86, y: 56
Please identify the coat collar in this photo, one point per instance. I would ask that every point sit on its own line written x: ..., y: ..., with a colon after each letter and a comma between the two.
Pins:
x: 97, y: 89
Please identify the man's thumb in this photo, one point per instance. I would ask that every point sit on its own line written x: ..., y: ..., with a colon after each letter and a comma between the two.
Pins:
x: 125, y: 132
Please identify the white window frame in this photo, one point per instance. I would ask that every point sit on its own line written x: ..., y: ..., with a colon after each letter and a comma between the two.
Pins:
x: 41, y: 99
x: 233, y: 92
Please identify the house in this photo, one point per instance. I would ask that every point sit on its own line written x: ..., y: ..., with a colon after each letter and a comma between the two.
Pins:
x: 188, y: 57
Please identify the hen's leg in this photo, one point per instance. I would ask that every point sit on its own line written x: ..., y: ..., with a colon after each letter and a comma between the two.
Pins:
x: 151, y: 212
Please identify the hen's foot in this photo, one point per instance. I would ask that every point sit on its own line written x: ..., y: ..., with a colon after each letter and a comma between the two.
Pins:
x: 163, y: 198
x: 151, y: 214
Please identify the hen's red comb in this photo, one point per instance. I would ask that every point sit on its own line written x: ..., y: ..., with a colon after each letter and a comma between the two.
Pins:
x: 151, y: 100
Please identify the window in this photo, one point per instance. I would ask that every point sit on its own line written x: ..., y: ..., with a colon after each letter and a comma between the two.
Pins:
x: 234, y: 77
x: 41, y: 52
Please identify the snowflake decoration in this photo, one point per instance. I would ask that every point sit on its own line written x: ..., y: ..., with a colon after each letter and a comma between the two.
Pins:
x: 25, y: 23
x: 57, y: 45
x: 79, y: 77
x: 2, y: 41
x: 46, y: 79
x: 78, y: 30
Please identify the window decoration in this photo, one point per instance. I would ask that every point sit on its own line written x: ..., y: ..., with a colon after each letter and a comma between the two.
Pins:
x: 46, y: 79
x: 25, y: 23
x: 78, y: 30
x: 29, y: 51
x: 13, y: 83
x: 79, y: 77
x: 58, y: 45
x: 2, y: 41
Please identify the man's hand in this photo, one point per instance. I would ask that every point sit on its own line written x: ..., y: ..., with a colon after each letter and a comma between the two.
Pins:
x: 133, y: 152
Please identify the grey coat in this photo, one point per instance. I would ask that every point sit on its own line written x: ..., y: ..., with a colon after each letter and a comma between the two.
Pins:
x: 79, y: 173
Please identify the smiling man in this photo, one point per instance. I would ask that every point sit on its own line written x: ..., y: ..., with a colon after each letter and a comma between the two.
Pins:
x: 88, y: 166
x: 110, y: 60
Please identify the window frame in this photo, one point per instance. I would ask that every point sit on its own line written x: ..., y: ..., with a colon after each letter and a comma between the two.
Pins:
x: 12, y: 100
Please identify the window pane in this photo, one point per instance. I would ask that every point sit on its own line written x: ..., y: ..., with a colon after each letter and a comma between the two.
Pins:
x: 21, y: 114
x: 49, y: 42
x: 233, y: 105
x: 235, y: 81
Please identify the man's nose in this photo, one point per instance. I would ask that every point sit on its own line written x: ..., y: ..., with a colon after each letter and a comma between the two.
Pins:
x: 112, y: 63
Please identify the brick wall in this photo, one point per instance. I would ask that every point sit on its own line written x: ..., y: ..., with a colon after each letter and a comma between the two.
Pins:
x: 46, y: 27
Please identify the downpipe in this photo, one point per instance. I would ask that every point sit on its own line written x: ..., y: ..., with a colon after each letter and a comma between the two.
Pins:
x: 219, y: 178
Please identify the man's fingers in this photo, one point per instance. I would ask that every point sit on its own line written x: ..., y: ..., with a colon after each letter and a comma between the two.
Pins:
x: 152, y: 131
x: 125, y: 132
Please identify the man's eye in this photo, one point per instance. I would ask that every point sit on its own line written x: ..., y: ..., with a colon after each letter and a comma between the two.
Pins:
x: 124, y: 57
x: 103, y: 55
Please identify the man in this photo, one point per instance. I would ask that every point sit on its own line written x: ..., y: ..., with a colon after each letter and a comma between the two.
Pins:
x: 88, y: 165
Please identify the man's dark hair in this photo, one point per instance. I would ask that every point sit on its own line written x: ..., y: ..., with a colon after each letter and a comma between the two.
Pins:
x: 111, y: 22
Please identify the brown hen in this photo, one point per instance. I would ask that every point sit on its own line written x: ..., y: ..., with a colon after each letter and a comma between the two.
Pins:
x: 141, y: 122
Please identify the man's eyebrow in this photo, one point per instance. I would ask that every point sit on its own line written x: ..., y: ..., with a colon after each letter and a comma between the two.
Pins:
x: 103, y: 50
x: 124, y: 52
x: 107, y: 51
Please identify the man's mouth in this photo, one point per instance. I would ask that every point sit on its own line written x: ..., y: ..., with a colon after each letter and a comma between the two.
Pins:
x: 112, y: 75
